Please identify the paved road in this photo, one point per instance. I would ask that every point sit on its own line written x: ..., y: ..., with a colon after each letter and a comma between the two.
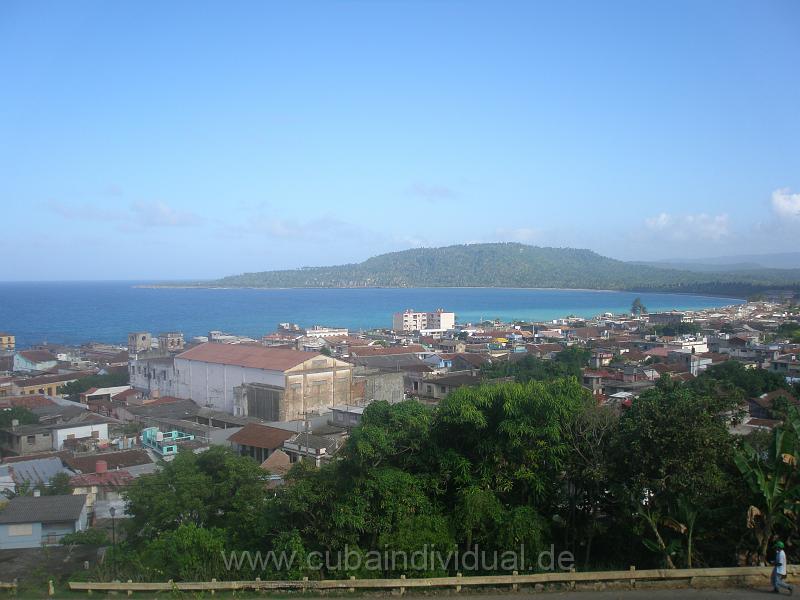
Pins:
x: 645, y: 594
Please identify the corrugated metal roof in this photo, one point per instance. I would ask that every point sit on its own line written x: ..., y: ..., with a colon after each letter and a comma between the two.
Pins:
x: 35, y: 471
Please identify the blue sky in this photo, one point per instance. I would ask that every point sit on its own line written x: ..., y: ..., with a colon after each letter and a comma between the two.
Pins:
x: 197, y: 139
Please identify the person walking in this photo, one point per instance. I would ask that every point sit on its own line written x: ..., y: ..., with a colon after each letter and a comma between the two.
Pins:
x: 779, y: 570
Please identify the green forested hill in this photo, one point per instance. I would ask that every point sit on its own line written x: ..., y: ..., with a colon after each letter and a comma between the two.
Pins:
x: 513, y: 265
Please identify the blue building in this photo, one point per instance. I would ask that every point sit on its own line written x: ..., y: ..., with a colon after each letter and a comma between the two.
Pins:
x: 34, y: 521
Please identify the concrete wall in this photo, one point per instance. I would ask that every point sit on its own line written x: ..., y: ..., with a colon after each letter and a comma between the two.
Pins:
x: 22, y: 445
x: 211, y: 384
x: 82, y: 431
x: 369, y: 385
x: 154, y: 375
x: 316, y: 386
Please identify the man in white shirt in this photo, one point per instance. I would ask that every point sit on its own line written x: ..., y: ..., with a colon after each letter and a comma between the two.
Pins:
x: 779, y: 571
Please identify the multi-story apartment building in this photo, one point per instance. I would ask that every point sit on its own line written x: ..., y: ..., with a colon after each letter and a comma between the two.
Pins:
x: 409, y: 320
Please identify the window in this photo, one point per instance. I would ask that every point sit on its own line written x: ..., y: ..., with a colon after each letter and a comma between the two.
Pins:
x: 21, y: 529
x: 31, y: 439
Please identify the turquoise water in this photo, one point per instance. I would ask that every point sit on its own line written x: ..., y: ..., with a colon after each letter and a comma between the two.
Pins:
x: 76, y: 312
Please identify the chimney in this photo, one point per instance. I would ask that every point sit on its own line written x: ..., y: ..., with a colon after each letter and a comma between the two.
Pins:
x: 101, y: 466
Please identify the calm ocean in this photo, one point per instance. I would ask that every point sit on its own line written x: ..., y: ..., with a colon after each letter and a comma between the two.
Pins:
x: 77, y: 312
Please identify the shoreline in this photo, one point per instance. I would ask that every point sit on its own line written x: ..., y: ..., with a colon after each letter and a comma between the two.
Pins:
x: 463, y: 287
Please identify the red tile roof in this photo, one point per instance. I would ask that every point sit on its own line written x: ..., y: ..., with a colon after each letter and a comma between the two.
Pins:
x: 251, y: 356
x: 114, y: 460
x: 767, y: 400
x: 107, y: 479
x: 381, y: 351
x: 25, y: 401
x: 162, y: 400
x: 261, y: 436
x: 57, y: 378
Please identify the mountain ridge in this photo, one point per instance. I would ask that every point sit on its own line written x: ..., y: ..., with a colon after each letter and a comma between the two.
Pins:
x: 514, y: 265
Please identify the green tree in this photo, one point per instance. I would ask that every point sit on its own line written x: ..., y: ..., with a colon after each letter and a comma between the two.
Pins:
x: 58, y: 485
x: 588, y: 432
x: 507, y: 437
x: 17, y: 413
x: 188, y: 553
x: 672, y: 447
x: 637, y: 308
x: 74, y: 389
x: 214, y: 489
x: 773, y: 479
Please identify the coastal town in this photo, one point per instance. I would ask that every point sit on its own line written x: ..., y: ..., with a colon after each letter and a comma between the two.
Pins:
x: 89, y: 420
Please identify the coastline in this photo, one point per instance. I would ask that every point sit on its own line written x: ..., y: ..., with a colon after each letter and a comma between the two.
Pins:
x: 105, y: 312
x: 409, y: 287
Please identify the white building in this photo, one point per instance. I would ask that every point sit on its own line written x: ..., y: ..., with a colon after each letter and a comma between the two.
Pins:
x: 154, y: 376
x: 302, y: 381
x: 322, y: 332
x: 70, y: 431
x: 409, y: 320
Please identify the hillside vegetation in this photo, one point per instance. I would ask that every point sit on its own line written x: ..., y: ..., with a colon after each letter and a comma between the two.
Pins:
x: 514, y: 265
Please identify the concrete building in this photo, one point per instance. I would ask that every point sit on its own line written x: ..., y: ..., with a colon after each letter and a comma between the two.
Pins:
x: 154, y: 376
x: 259, y: 441
x: 47, y: 385
x: 23, y: 440
x: 138, y: 342
x: 347, y: 416
x: 172, y: 341
x: 301, y: 382
x: 409, y: 320
x: 323, y: 332
x: 7, y: 341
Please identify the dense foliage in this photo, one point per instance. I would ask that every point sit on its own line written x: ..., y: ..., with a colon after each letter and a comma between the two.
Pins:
x: 566, y: 363
x: 74, y: 389
x: 17, y: 413
x: 515, y: 265
x: 497, y: 467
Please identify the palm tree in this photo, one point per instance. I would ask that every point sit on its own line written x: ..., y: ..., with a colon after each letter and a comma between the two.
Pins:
x: 637, y: 308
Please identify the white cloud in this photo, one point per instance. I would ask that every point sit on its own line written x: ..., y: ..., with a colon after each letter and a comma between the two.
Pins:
x: 786, y: 204
x: 701, y: 226
x: 324, y: 228
x: 159, y: 214
x: 85, y: 211
x: 137, y: 216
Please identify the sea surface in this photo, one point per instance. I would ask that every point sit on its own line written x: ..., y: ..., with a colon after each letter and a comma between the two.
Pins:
x: 77, y: 312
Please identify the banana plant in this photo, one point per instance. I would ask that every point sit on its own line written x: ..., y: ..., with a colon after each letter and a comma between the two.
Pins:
x: 683, y: 521
x: 773, y: 478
